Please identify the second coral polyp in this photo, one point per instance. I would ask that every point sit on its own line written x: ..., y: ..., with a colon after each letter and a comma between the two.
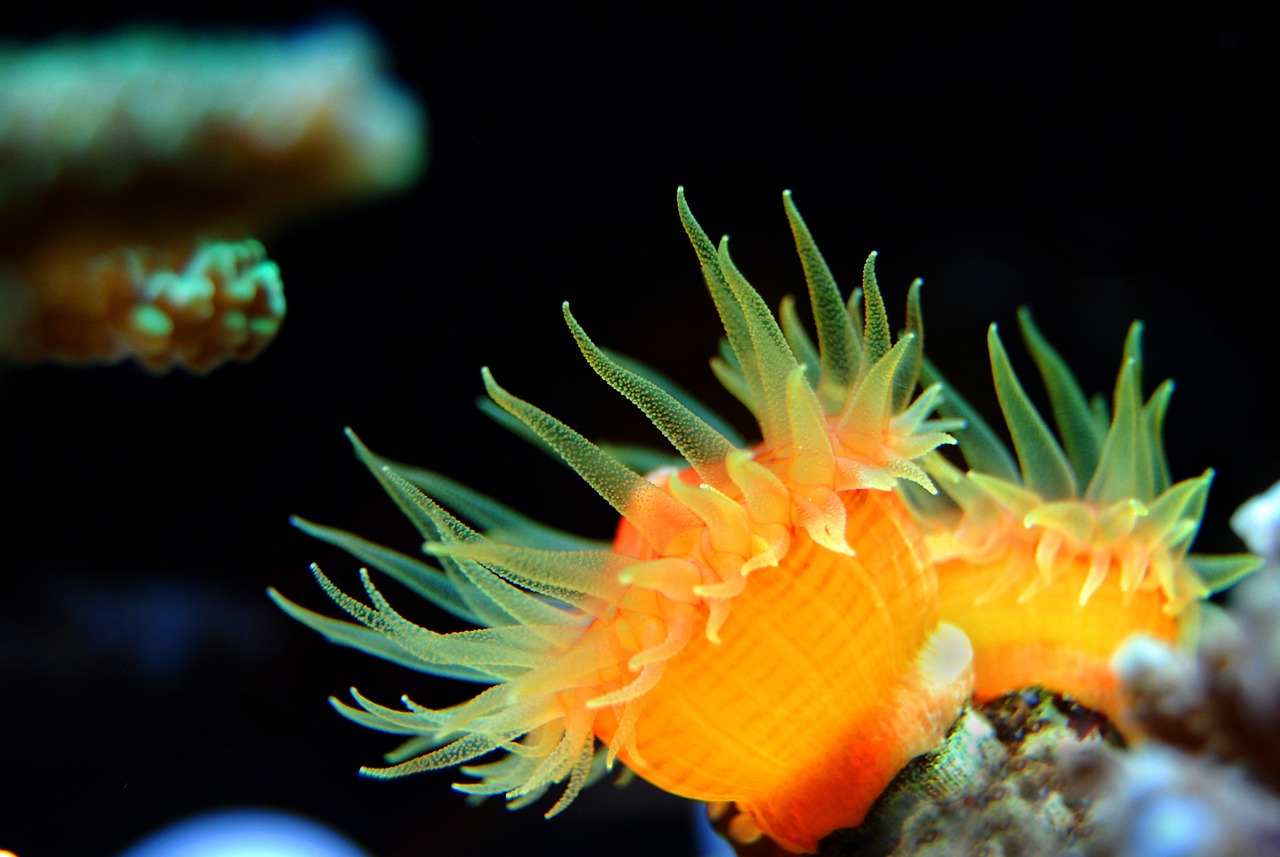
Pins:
x: 826, y: 681
x: 1051, y: 638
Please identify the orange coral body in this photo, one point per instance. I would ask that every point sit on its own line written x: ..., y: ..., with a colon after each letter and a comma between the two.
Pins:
x: 1051, y: 639
x: 821, y: 689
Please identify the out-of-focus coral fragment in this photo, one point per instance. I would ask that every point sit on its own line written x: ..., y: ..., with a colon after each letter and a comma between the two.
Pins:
x: 1206, y: 783
x: 1161, y: 802
x: 1257, y: 523
x: 225, y: 303
x: 265, y: 125
x: 1223, y: 701
x: 133, y: 165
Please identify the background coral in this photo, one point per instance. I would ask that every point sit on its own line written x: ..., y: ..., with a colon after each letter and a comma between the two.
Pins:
x: 1222, y: 700
x: 287, y: 121
x: 1161, y: 802
x: 225, y: 302
x: 127, y: 160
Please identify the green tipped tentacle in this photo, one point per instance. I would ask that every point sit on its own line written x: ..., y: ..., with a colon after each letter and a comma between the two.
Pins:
x: 864, y: 383
x: 1045, y: 469
x: 681, y: 395
x: 801, y: 344
x: 908, y: 373
x: 701, y: 445
x: 1081, y: 434
x: 424, y: 580
x: 732, y: 316
x: 981, y: 447
x: 876, y: 337
x: 659, y: 518
x: 837, y: 340
x: 496, y: 520
x: 772, y: 356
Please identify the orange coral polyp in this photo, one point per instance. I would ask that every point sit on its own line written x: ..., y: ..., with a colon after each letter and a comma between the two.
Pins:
x: 1042, y: 606
x: 1051, y: 638
x: 1054, y: 556
x: 764, y: 628
x: 823, y: 684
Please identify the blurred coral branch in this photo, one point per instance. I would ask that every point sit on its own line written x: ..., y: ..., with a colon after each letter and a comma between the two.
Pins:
x: 133, y: 167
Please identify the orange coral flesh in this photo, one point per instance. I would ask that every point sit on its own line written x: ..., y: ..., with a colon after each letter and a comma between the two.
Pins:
x: 825, y: 683
x: 1050, y: 638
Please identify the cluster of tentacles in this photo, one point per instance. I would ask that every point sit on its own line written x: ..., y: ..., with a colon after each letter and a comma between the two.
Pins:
x: 784, y: 624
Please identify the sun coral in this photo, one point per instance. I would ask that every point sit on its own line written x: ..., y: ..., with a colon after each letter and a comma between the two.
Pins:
x: 764, y: 627
x: 1051, y: 560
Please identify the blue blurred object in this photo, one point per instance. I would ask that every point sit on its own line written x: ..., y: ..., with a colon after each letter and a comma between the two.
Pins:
x: 707, y: 842
x: 1174, y: 825
x: 245, y: 833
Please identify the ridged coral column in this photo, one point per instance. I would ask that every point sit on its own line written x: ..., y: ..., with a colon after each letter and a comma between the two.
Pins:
x: 832, y: 673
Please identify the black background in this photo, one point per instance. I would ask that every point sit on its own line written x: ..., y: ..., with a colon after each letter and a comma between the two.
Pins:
x: 1098, y: 168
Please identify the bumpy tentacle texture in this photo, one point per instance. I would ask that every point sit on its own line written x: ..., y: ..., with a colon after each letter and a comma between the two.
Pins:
x: 1055, y: 554
x: 763, y: 628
